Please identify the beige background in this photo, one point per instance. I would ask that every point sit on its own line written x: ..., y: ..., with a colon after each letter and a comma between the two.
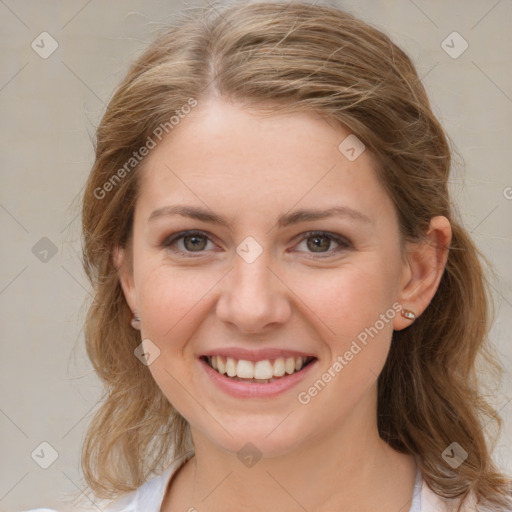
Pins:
x: 49, y: 110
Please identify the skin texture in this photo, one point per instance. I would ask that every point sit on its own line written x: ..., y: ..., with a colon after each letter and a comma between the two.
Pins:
x: 323, y: 455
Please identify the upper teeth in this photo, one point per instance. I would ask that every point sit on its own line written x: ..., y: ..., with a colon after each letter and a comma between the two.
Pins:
x: 265, y: 369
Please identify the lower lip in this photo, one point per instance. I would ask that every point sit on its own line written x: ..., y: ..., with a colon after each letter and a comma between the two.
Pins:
x: 253, y: 389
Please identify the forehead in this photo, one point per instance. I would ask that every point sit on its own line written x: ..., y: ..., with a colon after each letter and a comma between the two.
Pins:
x: 222, y: 132
x: 223, y: 154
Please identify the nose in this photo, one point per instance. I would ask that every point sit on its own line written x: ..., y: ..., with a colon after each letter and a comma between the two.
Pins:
x: 253, y: 298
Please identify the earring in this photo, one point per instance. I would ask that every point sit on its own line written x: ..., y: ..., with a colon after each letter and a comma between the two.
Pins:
x: 135, y: 322
x: 407, y: 313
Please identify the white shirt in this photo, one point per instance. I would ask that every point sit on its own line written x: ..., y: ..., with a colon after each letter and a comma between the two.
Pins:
x: 149, y: 496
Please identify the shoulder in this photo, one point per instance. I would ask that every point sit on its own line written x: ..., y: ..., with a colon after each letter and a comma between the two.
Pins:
x: 431, y: 502
x: 147, y: 498
x: 91, y: 507
x: 41, y: 510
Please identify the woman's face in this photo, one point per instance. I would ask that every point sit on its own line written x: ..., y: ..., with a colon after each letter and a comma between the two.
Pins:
x: 260, y: 239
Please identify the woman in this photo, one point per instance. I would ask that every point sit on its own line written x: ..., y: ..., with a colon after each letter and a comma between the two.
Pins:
x: 287, y: 311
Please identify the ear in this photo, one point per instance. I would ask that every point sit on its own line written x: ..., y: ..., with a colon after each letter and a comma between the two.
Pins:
x: 124, y: 267
x: 423, y: 269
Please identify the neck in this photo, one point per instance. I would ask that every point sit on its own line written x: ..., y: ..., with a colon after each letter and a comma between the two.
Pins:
x: 342, y: 468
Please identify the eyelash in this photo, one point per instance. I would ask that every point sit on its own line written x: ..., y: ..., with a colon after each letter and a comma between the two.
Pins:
x: 343, y: 243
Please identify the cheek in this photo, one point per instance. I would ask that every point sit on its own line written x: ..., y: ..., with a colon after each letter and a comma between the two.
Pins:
x: 355, y: 319
x: 171, y: 301
x: 354, y: 305
x: 170, y: 298
x: 350, y: 299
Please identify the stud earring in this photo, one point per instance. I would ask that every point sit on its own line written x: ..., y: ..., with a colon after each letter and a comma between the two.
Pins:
x: 135, y: 322
x: 407, y: 313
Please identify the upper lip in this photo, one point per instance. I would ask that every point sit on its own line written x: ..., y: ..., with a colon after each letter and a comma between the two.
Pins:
x: 255, y: 354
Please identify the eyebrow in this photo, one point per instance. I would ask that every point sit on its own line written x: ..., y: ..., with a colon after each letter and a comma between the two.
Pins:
x: 284, y: 220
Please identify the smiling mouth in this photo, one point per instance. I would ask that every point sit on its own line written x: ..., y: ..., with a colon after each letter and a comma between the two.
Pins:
x: 262, y: 372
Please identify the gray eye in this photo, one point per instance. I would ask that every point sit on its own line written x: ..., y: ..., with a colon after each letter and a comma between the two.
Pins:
x: 195, y: 242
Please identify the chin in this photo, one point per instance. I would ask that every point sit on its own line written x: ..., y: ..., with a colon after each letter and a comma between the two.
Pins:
x: 259, y: 437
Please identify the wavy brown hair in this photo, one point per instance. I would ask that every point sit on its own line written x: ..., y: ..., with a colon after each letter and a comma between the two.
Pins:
x: 292, y: 57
